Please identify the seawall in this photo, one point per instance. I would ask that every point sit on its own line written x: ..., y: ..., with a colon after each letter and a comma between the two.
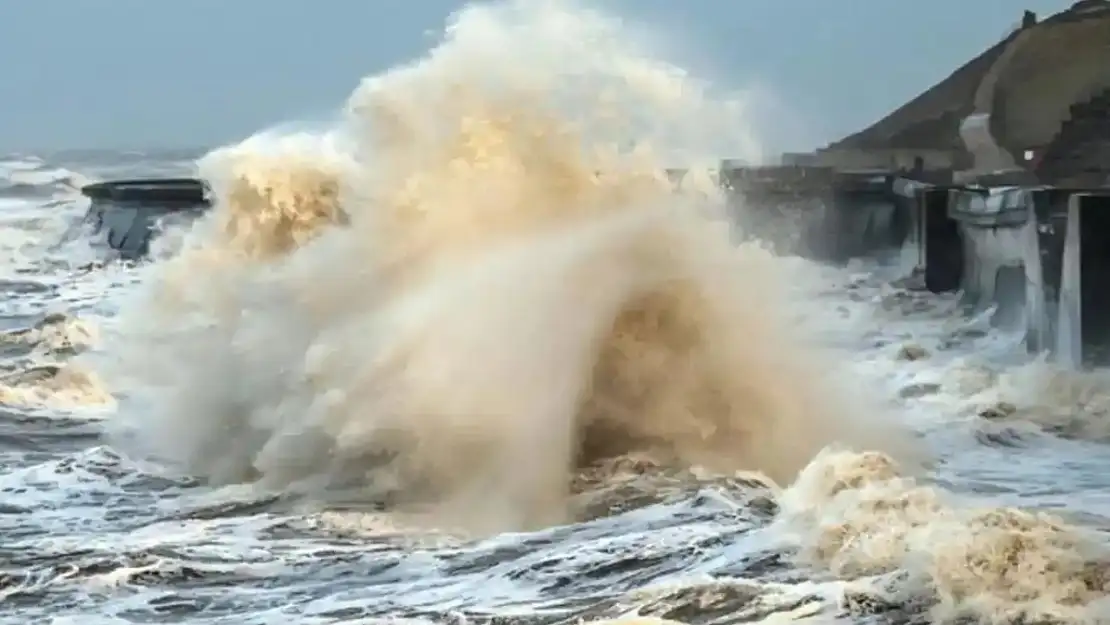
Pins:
x: 1037, y: 259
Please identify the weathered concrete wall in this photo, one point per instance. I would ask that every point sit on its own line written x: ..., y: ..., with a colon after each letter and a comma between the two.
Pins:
x: 995, y: 230
x: 1039, y: 260
x: 882, y: 159
x: 984, y: 243
x: 816, y: 212
x: 1083, y: 328
x: 1068, y: 345
x: 1043, y: 295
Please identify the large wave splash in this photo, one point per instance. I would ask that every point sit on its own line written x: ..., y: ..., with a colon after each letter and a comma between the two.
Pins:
x: 479, y: 280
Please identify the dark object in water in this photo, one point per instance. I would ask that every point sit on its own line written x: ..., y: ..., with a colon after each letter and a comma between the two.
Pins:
x: 128, y: 213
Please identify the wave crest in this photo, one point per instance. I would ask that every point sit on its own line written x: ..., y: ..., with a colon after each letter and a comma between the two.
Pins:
x: 479, y: 281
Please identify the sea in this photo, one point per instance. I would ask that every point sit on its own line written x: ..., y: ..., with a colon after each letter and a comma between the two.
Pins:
x: 465, y: 355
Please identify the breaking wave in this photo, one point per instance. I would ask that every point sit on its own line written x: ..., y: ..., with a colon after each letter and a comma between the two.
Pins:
x: 479, y: 281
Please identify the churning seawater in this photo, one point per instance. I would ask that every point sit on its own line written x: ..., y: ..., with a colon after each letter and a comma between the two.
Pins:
x: 468, y: 355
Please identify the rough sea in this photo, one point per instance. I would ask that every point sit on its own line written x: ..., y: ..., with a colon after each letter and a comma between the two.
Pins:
x: 464, y: 357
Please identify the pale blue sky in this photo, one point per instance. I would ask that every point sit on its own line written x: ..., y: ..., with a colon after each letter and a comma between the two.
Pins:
x: 161, y: 73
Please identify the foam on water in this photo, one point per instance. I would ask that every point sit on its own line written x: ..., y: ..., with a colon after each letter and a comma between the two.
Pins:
x: 477, y: 303
x: 515, y: 289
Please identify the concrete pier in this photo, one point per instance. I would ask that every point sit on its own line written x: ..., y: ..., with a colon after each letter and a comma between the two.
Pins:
x: 935, y: 238
x: 1082, y: 328
x: 996, y: 234
x: 125, y: 214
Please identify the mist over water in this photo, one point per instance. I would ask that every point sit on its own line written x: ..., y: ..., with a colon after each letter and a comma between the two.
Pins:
x: 480, y: 281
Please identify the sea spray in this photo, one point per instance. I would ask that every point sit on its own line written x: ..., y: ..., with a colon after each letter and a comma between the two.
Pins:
x: 478, y: 281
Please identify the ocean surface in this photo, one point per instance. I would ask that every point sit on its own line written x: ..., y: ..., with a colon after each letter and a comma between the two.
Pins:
x: 457, y: 376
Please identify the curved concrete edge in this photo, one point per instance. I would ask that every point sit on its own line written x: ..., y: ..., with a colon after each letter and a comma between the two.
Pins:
x: 975, y: 130
x: 987, y: 156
